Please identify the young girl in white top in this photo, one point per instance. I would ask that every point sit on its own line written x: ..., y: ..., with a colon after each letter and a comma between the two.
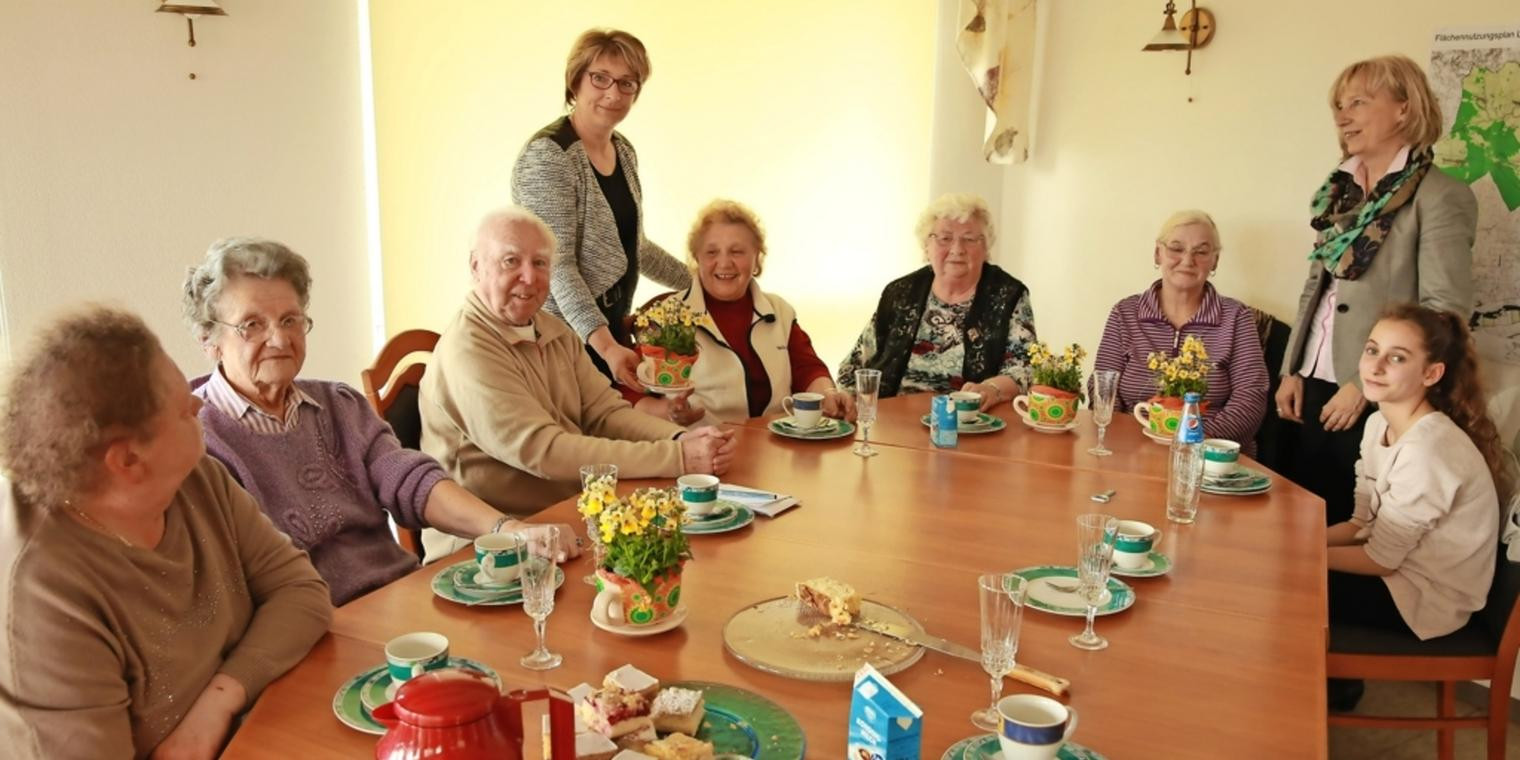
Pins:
x: 1418, y: 553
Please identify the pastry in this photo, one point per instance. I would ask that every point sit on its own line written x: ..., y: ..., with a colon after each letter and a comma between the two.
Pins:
x: 839, y: 600
x: 680, y: 747
x: 638, y: 738
x: 629, y: 678
x: 593, y: 746
x: 612, y: 712
x: 678, y: 710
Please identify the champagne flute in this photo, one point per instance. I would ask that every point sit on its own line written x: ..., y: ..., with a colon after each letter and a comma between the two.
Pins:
x: 591, y: 473
x: 867, y: 389
x: 1105, y: 387
x: 536, y: 563
x: 1095, y: 554
x: 1002, y: 597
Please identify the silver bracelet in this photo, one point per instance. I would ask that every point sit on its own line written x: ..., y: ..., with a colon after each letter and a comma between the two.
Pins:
x: 497, y: 527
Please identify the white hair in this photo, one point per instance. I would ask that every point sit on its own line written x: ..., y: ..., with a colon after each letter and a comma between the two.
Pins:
x: 957, y: 207
x: 230, y: 258
x: 513, y: 215
x: 1184, y: 218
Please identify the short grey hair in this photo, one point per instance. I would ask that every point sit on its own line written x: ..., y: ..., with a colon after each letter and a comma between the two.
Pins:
x: 1186, y: 217
x: 230, y: 258
x: 957, y: 207
x: 508, y: 215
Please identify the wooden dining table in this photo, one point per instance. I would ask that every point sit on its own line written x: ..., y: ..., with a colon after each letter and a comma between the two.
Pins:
x: 1222, y: 655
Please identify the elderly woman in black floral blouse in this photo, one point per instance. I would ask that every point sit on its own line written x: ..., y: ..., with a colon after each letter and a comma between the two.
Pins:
x: 958, y: 323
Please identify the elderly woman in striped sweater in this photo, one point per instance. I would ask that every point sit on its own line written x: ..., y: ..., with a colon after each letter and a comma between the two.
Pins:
x: 1184, y: 303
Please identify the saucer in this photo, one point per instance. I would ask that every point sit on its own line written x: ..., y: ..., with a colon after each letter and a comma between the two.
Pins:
x: 721, y: 509
x: 456, y: 583
x: 733, y: 518
x: 1052, y: 429
x: 985, y: 423
x: 1156, y: 564
x: 657, y: 389
x: 348, y: 706
x: 824, y: 424
x: 1039, y: 594
x: 379, y: 688
x: 676, y: 618
x: 480, y: 579
x: 1243, y: 482
x: 986, y: 747
x: 783, y: 427
x: 1164, y: 440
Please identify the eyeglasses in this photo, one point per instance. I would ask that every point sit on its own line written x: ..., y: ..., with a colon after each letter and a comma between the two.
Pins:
x: 602, y: 80
x: 967, y: 241
x: 1177, y: 252
x: 257, y: 330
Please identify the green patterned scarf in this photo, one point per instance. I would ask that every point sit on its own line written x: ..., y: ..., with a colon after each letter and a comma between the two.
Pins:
x: 1347, y: 221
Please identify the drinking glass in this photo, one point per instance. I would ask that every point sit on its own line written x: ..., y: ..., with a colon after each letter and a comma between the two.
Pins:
x: 590, y: 473
x: 1002, y: 596
x: 1095, y: 554
x: 867, y: 387
x: 536, y: 563
x: 1105, y: 386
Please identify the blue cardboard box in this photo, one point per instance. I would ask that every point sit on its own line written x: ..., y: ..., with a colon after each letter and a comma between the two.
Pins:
x: 884, y: 723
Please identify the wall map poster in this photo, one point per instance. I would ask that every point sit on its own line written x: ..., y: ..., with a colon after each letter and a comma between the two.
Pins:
x: 1475, y: 72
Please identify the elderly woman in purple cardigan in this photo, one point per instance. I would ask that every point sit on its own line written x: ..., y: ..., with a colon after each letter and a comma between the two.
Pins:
x: 320, y: 462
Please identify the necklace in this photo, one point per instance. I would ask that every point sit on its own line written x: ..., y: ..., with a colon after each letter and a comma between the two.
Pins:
x: 85, y: 516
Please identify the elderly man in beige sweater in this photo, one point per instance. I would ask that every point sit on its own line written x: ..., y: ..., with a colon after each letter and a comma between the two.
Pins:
x: 512, y: 405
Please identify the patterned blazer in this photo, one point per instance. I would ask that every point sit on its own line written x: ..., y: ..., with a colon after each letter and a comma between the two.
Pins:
x: 553, y: 178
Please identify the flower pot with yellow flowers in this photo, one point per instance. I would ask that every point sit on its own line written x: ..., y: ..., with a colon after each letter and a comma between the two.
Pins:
x: 1056, y: 387
x: 1187, y: 372
x: 641, y: 552
x: 667, y: 337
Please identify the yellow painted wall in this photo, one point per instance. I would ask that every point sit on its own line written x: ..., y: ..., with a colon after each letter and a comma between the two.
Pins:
x: 817, y: 115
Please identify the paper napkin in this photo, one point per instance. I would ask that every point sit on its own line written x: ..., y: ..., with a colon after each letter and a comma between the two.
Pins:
x: 760, y: 502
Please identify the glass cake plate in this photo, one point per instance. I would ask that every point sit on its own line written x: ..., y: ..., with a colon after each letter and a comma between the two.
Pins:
x: 781, y: 636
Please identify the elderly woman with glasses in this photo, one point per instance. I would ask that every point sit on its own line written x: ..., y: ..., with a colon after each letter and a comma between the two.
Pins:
x: 1183, y: 303
x: 582, y: 178
x: 958, y: 323
x: 146, y: 599
x: 324, y: 467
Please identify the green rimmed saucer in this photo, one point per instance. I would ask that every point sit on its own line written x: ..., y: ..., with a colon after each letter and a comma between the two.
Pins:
x: 1244, y: 482
x: 348, y: 706
x: 1040, y: 595
x: 734, y: 517
x: 379, y: 689
x: 1157, y: 564
x: 783, y: 427
x: 985, y: 423
x: 986, y: 747
x: 456, y: 583
x: 741, y: 722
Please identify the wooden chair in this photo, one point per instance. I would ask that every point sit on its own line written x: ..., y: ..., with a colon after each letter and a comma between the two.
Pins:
x: 395, y: 400
x: 1275, y: 438
x: 1483, y: 649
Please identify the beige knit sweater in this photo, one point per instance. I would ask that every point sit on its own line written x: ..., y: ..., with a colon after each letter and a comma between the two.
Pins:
x: 105, y: 646
x: 513, y: 420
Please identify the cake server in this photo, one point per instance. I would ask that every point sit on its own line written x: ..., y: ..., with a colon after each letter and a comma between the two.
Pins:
x: 1037, y: 678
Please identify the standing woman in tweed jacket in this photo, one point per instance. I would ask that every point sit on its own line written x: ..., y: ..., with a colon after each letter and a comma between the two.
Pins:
x: 582, y: 178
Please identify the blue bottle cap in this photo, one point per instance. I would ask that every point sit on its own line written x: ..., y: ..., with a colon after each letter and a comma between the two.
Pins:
x: 1191, y: 397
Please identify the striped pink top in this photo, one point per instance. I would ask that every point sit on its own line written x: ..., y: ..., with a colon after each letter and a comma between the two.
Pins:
x: 1238, y: 383
x: 224, y: 398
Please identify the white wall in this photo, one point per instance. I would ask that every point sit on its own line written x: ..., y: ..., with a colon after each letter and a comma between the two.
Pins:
x: 117, y: 170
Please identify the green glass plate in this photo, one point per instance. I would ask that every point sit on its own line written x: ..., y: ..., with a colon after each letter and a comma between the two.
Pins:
x: 349, y: 707
x: 456, y: 584
x: 1160, y: 564
x: 735, y: 516
x: 741, y: 722
x: 985, y: 423
x: 1045, y: 598
x: 781, y: 427
x: 985, y: 747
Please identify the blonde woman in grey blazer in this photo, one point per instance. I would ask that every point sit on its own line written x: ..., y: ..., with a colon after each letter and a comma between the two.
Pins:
x: 1392, y: 228
x: 582, y: 178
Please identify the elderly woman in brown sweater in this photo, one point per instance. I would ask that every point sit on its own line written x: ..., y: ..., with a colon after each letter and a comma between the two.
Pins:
x: 148, y: 600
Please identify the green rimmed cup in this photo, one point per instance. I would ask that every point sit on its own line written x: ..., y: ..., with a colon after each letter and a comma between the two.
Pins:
x: 410, y: 655
x: 699, y: 493
x: 1133, y: 544
x: 1220, y: 457
x: 496, y: 554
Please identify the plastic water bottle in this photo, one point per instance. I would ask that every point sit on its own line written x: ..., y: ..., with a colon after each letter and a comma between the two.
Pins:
x: 1186, y: 474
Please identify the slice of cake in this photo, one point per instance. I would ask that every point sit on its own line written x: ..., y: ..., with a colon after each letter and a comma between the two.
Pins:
x: 679, y: 710
x: 639, y: 738
x: 629, y: 754
x: 593, y: 746
x: 629, y: 678
x: 612, y: 712
x: 680, y: 747
x: 837, y: 599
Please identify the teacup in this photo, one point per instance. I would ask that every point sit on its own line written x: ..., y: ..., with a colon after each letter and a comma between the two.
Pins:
x: 1220, y: 457
x: 968, y: 406
x: 699, y: 493
x: 806, y: 408
x: 413, y: 654
x: 1133, y: 544
x: 1033, y: 727
x: 1047, y: 407
x: 626, y: 602
x: 496, y: 553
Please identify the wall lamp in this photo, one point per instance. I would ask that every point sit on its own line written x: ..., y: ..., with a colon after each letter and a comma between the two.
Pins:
x: 190, y: 9
x: 1195, y: 31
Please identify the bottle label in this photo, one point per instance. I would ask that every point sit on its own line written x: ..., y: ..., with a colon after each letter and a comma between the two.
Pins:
x: 1191, y: 429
